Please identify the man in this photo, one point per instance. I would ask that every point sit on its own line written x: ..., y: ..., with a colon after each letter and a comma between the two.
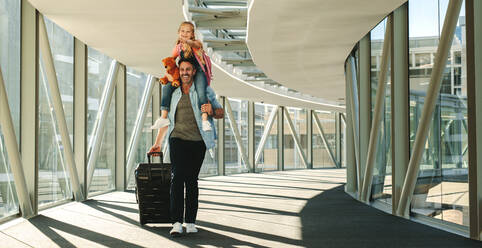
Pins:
x: 187, y: 146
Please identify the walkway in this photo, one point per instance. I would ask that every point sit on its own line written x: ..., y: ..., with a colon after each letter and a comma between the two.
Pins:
x: 305, y: 208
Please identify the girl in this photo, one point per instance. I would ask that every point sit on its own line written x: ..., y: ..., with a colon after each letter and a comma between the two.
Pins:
x: 189, y: 48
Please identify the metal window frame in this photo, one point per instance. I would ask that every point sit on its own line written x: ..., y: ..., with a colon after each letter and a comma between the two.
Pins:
x: 138, y: 126
x: 120, y: 129
x: 377, y: 114
x: 323, y: 138
x: 268, y: 126
x: 52, y: 80
x: 237, y: 135
x: 99, y: 126
x: 295, y: 138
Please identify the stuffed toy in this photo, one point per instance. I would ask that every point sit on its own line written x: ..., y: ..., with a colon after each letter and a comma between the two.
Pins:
x: 171, y: 69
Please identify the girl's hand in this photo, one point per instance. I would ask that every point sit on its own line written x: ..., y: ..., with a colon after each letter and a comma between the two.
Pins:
x: 169, y: 77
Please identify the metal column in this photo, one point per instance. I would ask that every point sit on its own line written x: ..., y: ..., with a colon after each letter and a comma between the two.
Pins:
x: 365, y: 101
x: 433, y: 92
x: 352, y: 184
x: 29, y: 85
x: 221, y: 136
x: 80, y: 112
x: 473, y: 8
x: 309, y: 138
x: 281, y: 140
x: 400, y: 108
x: 120, y: 130
x: 251, y: 136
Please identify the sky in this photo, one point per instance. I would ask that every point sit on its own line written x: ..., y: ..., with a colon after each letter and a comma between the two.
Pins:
x: 423, y: 18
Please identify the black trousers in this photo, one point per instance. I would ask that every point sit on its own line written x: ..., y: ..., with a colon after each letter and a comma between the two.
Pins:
x: 186, y: 159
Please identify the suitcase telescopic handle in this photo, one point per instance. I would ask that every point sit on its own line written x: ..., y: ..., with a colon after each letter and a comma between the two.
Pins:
x: 149, y: 154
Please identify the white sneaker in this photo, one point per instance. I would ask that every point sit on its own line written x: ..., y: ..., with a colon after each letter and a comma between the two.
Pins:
x: 160, y: 122
x: 191, y: 228
x: 176, y: 229
x: 206, y: 126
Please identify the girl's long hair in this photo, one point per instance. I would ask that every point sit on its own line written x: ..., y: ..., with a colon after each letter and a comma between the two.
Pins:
x: 188, y: 51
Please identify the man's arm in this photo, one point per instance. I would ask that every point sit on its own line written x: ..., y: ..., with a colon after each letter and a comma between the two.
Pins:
x: 214, y: 108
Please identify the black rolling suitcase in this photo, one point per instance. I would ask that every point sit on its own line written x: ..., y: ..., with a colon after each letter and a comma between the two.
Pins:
x: 153, y: 181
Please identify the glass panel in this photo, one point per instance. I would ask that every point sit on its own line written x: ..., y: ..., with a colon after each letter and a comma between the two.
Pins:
x: 10, y: 65
x: 234, y: 162
x: 321, y: 156
x: 54, y: 179
x: 98, y: 70
x: 136, y: 83
x: 382, y: 179
x: 269, y: 156
x: 292, y: 157
x: 442, y: 185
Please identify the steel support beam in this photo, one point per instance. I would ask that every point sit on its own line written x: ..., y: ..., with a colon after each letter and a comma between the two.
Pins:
x: 138, y: 126
x: 99, y: 125
x: 338, y: 149
x: 295, y: 138
x: 353, y: 104
x: 400, y: 108
x: 29, y: 87
x: 264, y: 137
x: 377, y: 114
x: 80, y: 112
x: 51, y: 75
x: 251, y: 137
x: 237, y: 135
x: 120, y: 130
x: 309, y: 136
x: 325, y: 141
x: 365, y: 100
x: 11, y: 145
x: 219, y: 12
x: 352, y: 182
x: 281, y: 140
x: 221, y: 138
x: 473, y: 8
x: 433, y: 92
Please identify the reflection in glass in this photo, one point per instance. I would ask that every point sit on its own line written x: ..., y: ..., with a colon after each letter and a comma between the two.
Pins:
x: 442, y: 185
x: 10, y: 65
x: 54, y: 180
x: 98, y: 70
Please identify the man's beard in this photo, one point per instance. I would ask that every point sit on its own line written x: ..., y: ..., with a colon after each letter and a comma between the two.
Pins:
x: 186, y: 80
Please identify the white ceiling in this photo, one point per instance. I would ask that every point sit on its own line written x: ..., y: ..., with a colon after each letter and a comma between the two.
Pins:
x: 303, y: 44
x: 140, y: 33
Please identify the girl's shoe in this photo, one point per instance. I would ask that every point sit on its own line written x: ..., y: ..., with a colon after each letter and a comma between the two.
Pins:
x: 161, y: 122
x: 206, y: 126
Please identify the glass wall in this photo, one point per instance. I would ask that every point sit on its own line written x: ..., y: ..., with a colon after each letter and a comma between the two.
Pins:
x: 10, y: 68
x: 98, y: 70
x: 321, y: 156
x: 54, y: 179
x: 269, y: 155
x: 292, y: 158
x: 442, y: 185
x: 232, y: 155
x: 382, y: 175
x: 135, y: 86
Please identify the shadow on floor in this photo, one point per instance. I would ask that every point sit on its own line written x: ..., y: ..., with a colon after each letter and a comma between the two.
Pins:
x: 334, y: 219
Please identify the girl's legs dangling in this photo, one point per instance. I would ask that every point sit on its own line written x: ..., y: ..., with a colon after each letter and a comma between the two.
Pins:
x: 201, y: 83
x: 165, y: 103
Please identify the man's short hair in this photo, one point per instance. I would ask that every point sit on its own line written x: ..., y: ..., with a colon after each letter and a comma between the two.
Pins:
x: 190, y: 60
